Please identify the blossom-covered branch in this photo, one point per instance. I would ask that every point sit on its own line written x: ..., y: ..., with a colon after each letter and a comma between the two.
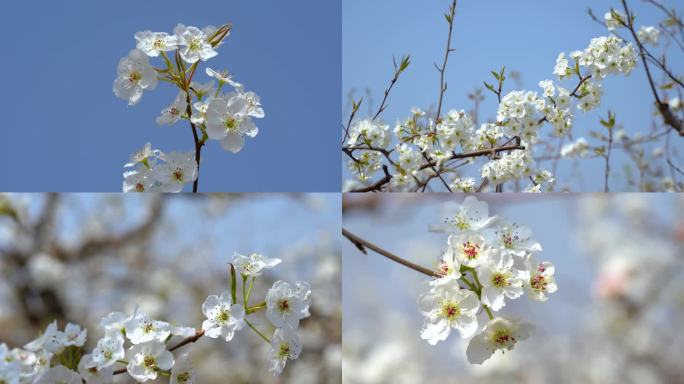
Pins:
x: 488, y: 259
x: 211, y: 114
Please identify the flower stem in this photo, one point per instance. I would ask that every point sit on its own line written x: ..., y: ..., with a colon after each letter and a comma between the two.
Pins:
x: 266, y: 339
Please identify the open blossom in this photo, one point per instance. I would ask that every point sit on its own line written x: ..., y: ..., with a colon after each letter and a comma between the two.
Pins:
x: 59, y: 375
x: 171, y: 114
x: 194, y: 44
x: 253, y: 264
x: 109, y: 349
x: 614, y: 19
x: 512, y: 238
x: 648, y: 35
x: 52, y: 340
x: 579, y: 148
x: 449, y: 268
x: 446, y: 307
x: 498, y: 334
x: 222, y: 77
x: 146, y: 359
x: 286, y: 304
x: 499, y: 279
x: 140, y: 328
x: 73, y: 335
x: 562, y: 68
x: 285, y: 346
x: 134, y: 75
x: 369, y: 132
x: 227, y: 120
x: 182, y: 371
x: 92, y: 374
x: 469, y: 248
x: 223, y: 317
x: 179, y: 169
x: 541, y: 281
x: 153, y: 43
x: 472, y: 215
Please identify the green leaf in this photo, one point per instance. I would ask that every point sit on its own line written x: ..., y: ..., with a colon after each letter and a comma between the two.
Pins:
x: 496, y: 75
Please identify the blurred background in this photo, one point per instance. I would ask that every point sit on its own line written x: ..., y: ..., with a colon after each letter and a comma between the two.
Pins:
x: 526, y: 36
x: 616, y: 317
x: 77, y: 257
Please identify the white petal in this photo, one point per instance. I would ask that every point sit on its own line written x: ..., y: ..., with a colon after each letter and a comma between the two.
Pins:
x: 233, y: 142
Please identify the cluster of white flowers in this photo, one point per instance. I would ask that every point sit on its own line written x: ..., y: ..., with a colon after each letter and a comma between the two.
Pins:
x: 520, y: 118
x: 155, y: 171
x: 225, y: 117
x: 578, y: 148
x: 487, y: 260
x: 141, y: 344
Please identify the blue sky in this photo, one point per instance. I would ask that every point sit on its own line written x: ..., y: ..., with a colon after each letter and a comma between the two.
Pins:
x: 64, y: 130
x: 523, y: 35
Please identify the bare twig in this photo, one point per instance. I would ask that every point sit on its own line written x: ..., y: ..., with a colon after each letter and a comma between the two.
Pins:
x: 442, y: 84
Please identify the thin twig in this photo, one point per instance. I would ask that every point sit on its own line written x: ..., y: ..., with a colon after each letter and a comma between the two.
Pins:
x: 447, y: 51
x: 362, y: 244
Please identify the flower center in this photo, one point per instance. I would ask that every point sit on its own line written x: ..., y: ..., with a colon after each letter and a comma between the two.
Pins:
x: 231, y: 124
x: 159, y: 43
x: 195, y: 44
x: 178, y: 174
x: 450, y: 311
x: 134, y: 76
x: 499, y: 279
x: 183, y: 377
x: 148, y: 328
x: 108, y: 355
x: 139, y: 187
x: 503, y: 339
x: 538, y: 282
x: 150, y: 362
x: 461, y: 222
x: 284, y: 351
x: 470, y: 250
x: 223, y: 316
x: 284, y: 306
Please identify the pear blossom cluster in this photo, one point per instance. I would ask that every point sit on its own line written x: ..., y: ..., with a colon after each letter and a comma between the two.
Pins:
x: 214, y: 112
x: 143, y: 347
x: 488, y: 261
x: 453, y: 140
x: 151, y: 170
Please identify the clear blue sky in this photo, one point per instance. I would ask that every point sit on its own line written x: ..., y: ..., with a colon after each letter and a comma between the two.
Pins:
x: 64, y: 130
x: 523, y: 35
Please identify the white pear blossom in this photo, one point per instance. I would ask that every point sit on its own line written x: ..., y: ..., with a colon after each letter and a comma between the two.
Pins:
x: 153, y: 43
x: 114, y: 321
x: 512, y: 238
x: 109, y: 349
x: 194, y: 44
x: 498, y: 334
x: 577, y: 149
x: 469, y: 248
x: 140, y: 328
x: 541, y: 281
x: 90, y: 372
x: 449, y: 268
x: 173, y: 113
x: 648, y: 35
x: 146, y: 359
x: 140, y: 179
x: 52, y: 340
x: 134, y: 75
x: 59, y: 375
x: 285, y: 346
x: 472, y: 215
x: 286, y: 304
x: 253, y: 264
x: 182, y: 371
x: 223, y: 317
x: 179, y: 169
x: 227, y: 120
x: 369, y: 132
x: 222, y: 77
x: 499, y: 278
x: 73, y: 335
x: 446, y: 307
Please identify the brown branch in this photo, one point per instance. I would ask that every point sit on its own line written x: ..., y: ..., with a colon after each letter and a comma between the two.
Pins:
x: 362, y: 244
